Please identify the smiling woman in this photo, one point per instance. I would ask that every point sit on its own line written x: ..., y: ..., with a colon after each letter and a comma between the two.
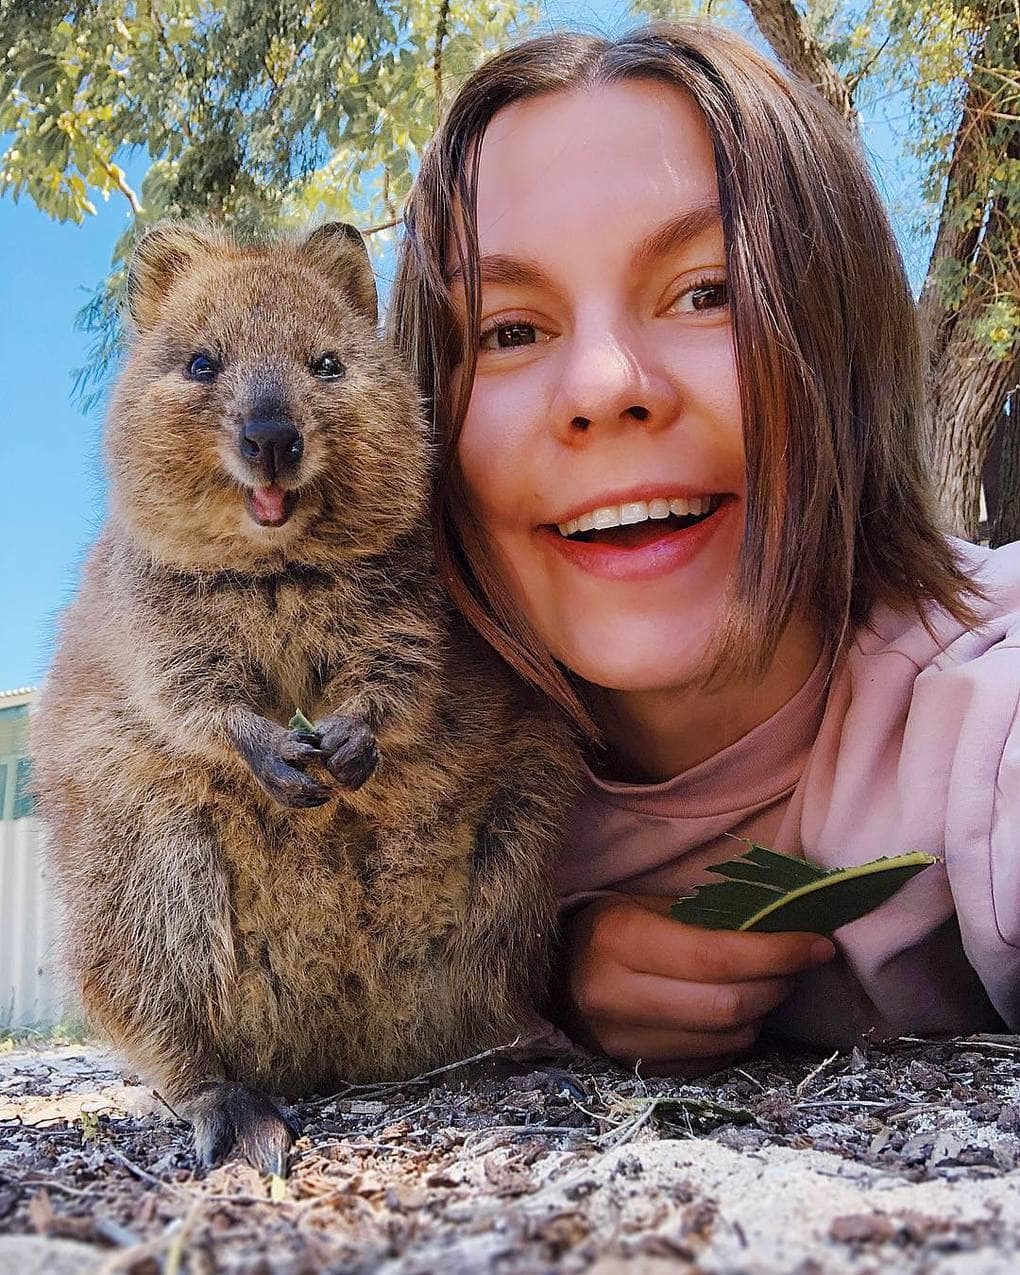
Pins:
x: 651, y: 295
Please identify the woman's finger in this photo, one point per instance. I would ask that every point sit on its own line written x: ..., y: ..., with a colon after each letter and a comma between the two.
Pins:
x: 652, y: 1001
x: 648, y: 942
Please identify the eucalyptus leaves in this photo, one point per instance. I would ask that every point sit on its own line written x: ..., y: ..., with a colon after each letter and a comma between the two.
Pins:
x: 769, y: 891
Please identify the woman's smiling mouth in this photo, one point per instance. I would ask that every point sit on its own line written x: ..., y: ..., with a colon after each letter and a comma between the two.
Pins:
x: 639, y: 540
x: 677, y: 512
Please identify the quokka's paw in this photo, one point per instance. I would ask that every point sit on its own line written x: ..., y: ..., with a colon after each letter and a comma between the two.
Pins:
x: 349, y: 750
x: 230, y: 1120
x: 281, y: 772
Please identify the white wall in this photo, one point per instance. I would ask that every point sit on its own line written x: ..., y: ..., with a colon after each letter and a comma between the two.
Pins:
x: 31, y: 988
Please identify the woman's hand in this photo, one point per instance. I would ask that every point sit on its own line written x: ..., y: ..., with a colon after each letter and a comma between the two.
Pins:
x: 683, y: 999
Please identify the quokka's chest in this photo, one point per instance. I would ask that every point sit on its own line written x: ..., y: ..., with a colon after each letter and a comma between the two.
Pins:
x: 289, y: 640
x: 333, y: 876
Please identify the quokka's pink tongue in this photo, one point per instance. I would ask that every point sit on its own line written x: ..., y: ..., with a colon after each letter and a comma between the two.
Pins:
x: 268, y: 503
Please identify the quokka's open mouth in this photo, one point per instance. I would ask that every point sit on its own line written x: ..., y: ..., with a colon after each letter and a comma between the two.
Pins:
x: 270, y: 506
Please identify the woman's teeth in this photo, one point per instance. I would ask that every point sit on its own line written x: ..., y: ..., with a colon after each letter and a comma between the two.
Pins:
x: 639, y: 511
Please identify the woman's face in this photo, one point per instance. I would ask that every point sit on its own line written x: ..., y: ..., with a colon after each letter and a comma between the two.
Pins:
x: 606, y: 387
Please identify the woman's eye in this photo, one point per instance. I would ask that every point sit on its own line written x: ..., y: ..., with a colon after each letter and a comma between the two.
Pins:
x: 706, y: 294
x: 328, y: 367
x: 508, y: 335
x: 202, y: 368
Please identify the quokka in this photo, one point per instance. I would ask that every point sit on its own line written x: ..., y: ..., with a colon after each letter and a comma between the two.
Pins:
x: 250, y: 910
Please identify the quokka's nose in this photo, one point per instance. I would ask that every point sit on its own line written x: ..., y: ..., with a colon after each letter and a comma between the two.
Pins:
x: 274, y: 445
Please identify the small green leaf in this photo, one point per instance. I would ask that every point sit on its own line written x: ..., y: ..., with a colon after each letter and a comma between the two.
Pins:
x: 766, y: 891
x: 300, y: 722
x: 678, y: 1109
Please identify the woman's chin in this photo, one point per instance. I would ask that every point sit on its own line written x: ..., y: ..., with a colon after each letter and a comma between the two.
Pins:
x: 627, y: 667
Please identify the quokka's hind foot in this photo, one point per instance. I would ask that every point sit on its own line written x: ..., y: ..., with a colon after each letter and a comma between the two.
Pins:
x: 231, y: 1120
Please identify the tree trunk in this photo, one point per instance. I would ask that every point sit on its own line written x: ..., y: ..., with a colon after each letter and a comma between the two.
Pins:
x: 967, y: 396
x: 1005, y: 526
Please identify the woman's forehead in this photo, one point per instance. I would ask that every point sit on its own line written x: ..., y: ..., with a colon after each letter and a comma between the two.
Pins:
x: 620, y: 155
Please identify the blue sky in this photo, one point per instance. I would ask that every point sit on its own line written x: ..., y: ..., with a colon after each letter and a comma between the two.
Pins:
x: 52, y: 486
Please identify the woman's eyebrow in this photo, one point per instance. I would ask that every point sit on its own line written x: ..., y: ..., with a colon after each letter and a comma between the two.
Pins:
x: 677, y: 232
x: 497, y: 267
x: 672, y: 235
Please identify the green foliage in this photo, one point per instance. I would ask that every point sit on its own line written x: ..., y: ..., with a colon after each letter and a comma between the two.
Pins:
x: 90, y: 1128
x: 261, y: 113
x: 771, y: 892
x: 998, y: 327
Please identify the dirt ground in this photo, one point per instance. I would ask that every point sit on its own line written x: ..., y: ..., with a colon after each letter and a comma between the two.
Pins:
x: 900, y: 1157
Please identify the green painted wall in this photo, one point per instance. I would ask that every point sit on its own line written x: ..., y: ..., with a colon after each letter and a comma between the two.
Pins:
x: 15, y: 800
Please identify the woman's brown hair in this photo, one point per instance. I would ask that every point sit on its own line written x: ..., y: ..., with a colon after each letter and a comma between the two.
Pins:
x: 839, y: 513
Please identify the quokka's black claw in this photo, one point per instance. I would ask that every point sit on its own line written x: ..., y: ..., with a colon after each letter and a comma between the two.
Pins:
x: 232, y: 1121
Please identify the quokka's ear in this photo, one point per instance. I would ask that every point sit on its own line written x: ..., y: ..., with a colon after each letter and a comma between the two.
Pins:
x: 337, y: 252
x: 160, y: 257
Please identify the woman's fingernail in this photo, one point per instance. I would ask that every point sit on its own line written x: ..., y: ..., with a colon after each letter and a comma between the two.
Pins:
x: 822, y: 950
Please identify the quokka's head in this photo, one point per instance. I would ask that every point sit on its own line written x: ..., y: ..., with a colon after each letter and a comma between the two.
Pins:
x: 259, y: 418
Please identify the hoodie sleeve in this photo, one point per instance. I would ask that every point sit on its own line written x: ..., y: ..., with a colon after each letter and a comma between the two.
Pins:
x: 979, y: 673
x: 983, y: 826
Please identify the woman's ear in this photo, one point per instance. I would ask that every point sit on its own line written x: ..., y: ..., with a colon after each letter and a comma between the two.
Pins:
x: 338, y: 252
x: 161, y: 256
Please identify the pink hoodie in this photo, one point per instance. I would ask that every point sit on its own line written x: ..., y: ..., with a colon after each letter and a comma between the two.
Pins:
x: 914, y: 745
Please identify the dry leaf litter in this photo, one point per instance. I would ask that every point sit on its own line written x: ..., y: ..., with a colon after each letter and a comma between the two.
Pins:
x: 896, y: 1157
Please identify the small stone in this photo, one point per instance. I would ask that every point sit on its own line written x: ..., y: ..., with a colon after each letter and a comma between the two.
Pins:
x: 861, y: 1228
x: 361, y: 1107
x: 1009, y: 1118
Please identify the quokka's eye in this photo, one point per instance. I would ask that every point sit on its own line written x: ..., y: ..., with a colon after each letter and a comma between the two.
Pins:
x: 328, y: 367
x: 202, y: 368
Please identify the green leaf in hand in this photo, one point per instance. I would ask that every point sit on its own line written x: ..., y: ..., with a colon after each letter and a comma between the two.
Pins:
x: 300, y: 722
x: 767, y: 891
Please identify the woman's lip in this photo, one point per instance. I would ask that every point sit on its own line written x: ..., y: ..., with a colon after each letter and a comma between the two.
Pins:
x: 673, y: 550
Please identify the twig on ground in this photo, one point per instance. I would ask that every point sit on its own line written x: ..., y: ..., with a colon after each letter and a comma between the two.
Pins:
x: 176, y: 1114
x: 993, y: 1046
x: 802, y: 1086
x: 141, y: 1174
x: 997, y: 1042
x: 847, y: 1102
x: 128, y: 1260
x: 642, y: 1110
x: 51, y: 1184
x: 110, y: 1230
x: 38, y: 1126
x: 518, y: 1129
x: 389, y: 1085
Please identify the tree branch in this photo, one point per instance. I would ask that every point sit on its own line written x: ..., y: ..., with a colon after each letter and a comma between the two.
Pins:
x: 799, y: 51
x: 437, y: 64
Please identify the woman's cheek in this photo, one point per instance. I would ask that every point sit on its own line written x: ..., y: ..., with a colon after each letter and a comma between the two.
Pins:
x: 494, y: 453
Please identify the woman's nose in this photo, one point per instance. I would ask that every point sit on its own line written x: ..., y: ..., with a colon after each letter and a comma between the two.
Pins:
x: 610, y: 380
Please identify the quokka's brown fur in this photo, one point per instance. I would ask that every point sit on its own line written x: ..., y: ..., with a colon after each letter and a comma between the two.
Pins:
x: 231, y: 934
